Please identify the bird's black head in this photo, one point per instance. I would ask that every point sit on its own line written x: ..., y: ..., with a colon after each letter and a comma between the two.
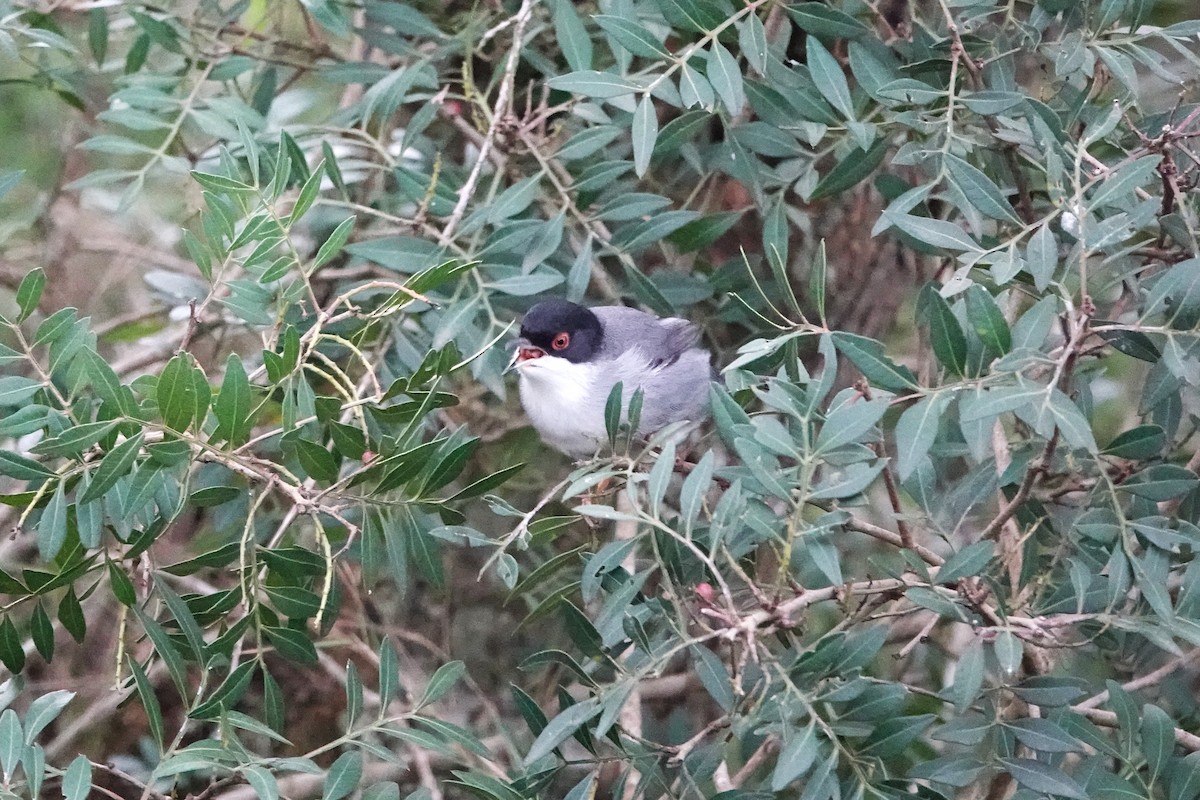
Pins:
x: 560, y: 328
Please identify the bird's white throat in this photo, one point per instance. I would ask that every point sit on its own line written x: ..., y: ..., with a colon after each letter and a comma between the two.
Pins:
x: 555, y: 394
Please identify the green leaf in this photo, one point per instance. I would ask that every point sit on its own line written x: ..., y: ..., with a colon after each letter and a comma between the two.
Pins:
x: 389, y: 673
x: 700, y: 233
x: 77, y: 780
x: 841, y: 482
x: 344, y: 775
x: 892, y: 737
x: 849, y: 422
x: 988, y: 322
x: 632, y: 36
x: 1070, y: 421
x: 146, y: 694
x: 916, y: 431
x: 44, y: 710
x: 1119, y: 186
x: 797, y: 752
x: 307, y: 196
x: 52, y: 528
x: 560, y: 728
x: 116, y: 464
x: 990, y: 102
x: 292, y: 644
x: 968, y: 676
x: 691, y: 496
x: 177, y: 392
x: 573, y: 39
x: 853, y: 168
x: 12, y: 654
x: 945, y: 333
x: 22, y: 468
x: 1049, y: 690
x: 826, y: 21
x: 70, y: 614
x: 1185, y: 778
x: 694, y: 89
x: 1044, y: 736
x: 334, y: 244
x: 612, y: 410
x: 262, y: 782
x: 936, y: 233
x: 104, y: 380
x: 220, y: 184
x: 41, y: 630
x: 591, y: 83
x: 1157, y: 739
x: 226, y: 696
x: 484, y: 786
x: 970, y: 561
x: 1144, y: 441
x: 1039, y: 777
x: 979, y: 189
x: 726, y: 78
x: 16, y: 389
x: 817, y: 279
x: 11, y: 743
x: 714, y: 677
x: 29, y: 293
x: 645, y: 131
x: 122, y: 587
x: 1009, y: 651
x: 317, y: 462
x: 868, y: 355
x: 183, y: 618
x: 1161, y: 482
x: 233, y: 404
x: 752, y: 38
x: 1041, y: 257
x: 55, y: 326
x: 775, y: 247
x: 828, y: 76
x: 442, y: 682
x: 698, y: 16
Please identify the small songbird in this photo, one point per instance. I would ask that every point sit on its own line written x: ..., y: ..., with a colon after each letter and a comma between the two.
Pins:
x: 569, y: 358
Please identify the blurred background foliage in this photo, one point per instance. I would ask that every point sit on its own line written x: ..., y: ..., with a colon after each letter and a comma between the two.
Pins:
x: 278, y: 527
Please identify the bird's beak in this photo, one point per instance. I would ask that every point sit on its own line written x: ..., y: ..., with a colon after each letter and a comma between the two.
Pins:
x: 523, y: 351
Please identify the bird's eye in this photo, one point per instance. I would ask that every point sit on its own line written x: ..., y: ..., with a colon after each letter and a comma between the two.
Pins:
x: 562, y: 341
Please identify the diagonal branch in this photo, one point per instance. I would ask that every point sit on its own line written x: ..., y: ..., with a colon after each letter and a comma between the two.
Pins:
x: 499, y: 114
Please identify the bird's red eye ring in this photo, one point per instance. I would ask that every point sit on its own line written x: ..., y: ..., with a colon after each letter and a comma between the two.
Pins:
x: 562, y: 341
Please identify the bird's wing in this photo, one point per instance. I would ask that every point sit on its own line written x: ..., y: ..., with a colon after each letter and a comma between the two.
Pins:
x: 662, y: 341
x: 678, y: 337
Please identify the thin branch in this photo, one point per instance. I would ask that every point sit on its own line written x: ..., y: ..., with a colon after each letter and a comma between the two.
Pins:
x: 1108, y: 719
x: 1149, y: 679
x: 499, y: 118
x: 1035, y: 471
x: 884, y: 535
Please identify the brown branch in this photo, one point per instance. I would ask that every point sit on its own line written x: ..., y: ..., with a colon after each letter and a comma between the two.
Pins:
x: 764, y: 751
x: 1035, y: 471
x: 884, y: 535
x: 1186, y: 740
x: 1149, y: 679
x: 1008, y: 150
x: 889, y: 480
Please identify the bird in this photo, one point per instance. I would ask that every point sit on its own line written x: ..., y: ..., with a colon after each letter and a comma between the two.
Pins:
x: 569, y: 357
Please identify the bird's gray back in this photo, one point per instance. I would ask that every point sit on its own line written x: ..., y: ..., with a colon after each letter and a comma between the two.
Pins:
x: 625, y: 328
x: 661, y: 357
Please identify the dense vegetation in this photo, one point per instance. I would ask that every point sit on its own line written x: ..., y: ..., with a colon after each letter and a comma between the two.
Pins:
x: 278, y: 527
